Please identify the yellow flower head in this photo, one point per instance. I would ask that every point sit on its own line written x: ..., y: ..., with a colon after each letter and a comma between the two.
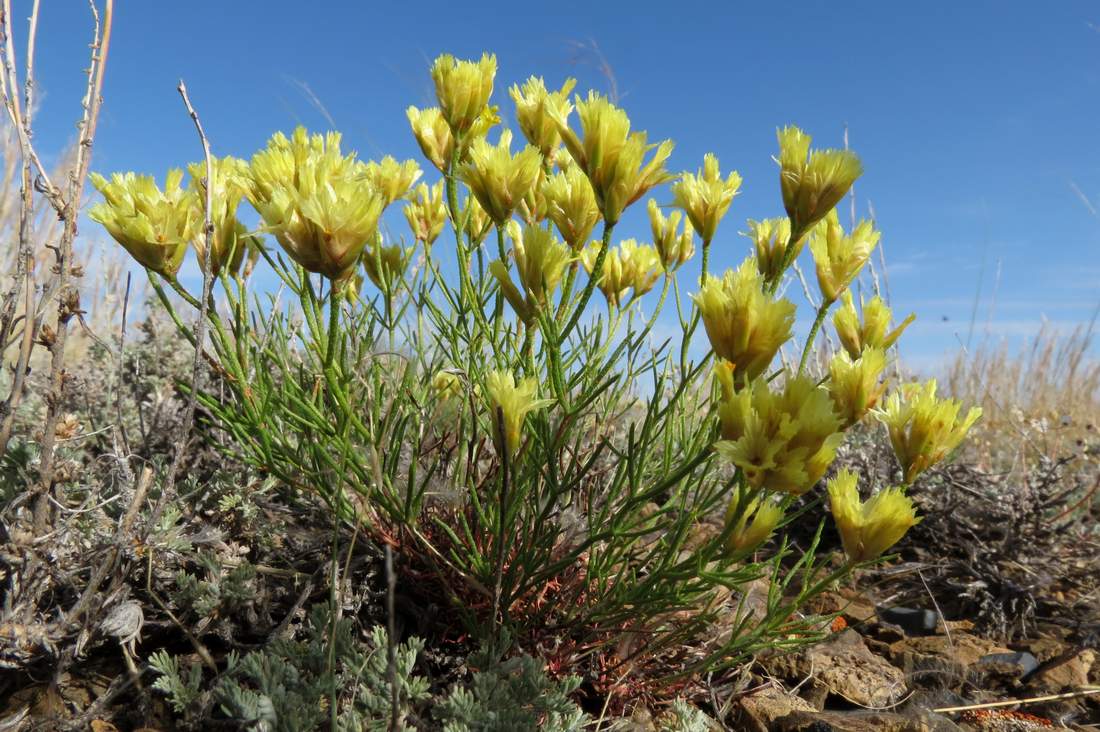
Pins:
x: 512, y: 401
x: 532, y: 102
x: 839, y: 257
x: 612, y: 156
x: 498, y: 179
x: 628, y: 267
x: 447, y: 385
x: 782, y: 441
x: 320, y: 204
x: 769, y: 240
x: 540, y: 260
x: 232, y: 242
x: 463, y: 89
x: 924, y: 429
x: 812, y: 187
x: 391, y: 178
x: 674, y: 247
x: 755, y: 524
x: 426, y: 212
x: 571, y: 205
x: 432, y: 134
x: 854, y: 384
x: 745, y: 326
x: 868, y: 529
x: 385, y: 266
x: 154, y: 226
x: 873, y: 332
x: 705, y: 197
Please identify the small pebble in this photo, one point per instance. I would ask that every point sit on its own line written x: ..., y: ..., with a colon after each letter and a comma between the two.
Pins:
x: 914, y: 621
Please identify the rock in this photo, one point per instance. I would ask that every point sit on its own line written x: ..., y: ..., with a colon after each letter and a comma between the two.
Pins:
x: 914, y: 621
x: 1068, y: 675
x: 760, y: 710
x: 844, y: 665
x: 938, y: 653
x: 1016, y: 664
x: 855, y: 722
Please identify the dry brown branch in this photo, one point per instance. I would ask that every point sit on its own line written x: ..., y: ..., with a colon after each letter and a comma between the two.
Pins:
x: 68, y: 296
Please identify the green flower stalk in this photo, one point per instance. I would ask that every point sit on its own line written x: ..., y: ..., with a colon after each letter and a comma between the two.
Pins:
x: 426, y: 212
x: 783, y: 441
x: 532, y: 102
x: 513, y: 402
x: 498, y: 179
x: 232, y: 242
x: 674, y: 247
x: 812, y: 186
x: 319, y: 204
x: 154, y: 226
x: 924, y: 429
x: 874, y: 330
x: 868, y: 529
x: 628, y: 267
x: 769, y: 240
x: 612, y: 156
x: 745, y: 325
x: 541, y: 260
x: 392, y: 179
x: 705, y: 196
x: 855, y: 384
x: 754, y: 525
x: 839, y: 257
x: 571, y: 205
x: 463, y: 89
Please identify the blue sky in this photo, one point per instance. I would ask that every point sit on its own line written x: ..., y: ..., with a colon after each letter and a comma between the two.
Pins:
x: 977, y: 122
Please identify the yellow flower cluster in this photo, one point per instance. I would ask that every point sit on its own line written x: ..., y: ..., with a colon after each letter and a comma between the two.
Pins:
x: 855, y: 384
x: 319, y: 204
x: 231, y: 241
x: 426, y: 212
x: 627, y: 267
x: 540, y: 260
x: 611, y: 155
x: 783, y: 441
x: 154, y: 226
x: 812, y: 182
x: 752, y: 525
x: 839, y: 257
x: 868, y: 529
x: 769, y: 240
x: 746, y: 327
x: 532, y: 102
x: 498, y: 179
x: 674, y: 247
x: 571, y: 205
x: 511, y: 402
x: 924, y: 429
x: 874, y: 330
x: 705, y: 197
x: 463, y: 89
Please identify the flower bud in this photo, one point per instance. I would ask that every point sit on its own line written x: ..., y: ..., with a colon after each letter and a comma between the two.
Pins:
x: 627, y: 267
x: 513, y: 402
x: 923, y: 429
x: 498, y: 179
x: 432, y: 134
x: 612, y: 156
x: 154, y: 226
x: 571, y: 205
x: 532, y: 101
x: 385, y: 266
x: 392, y: 179
x: 231, y: 240
x: 745, y: 325
x: 540, y: 260
x: 769, y: 239
x: 463, y: 89
x: 839, y: 257
x: 854, y: 383
x: 868, y: 529
x: 782, y: 441
x: 705, y: 197
x: 812, y: 188
x: 426, y: 212
x: 873, y: 332
x: 674, y: 247
x: 754, y: 525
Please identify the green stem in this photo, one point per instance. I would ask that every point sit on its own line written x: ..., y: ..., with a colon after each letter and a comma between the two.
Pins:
x: 333, y: 324
x: 706, y: 259
x: 695, y: 314
x: 821, y: 313
x: 594, y: 276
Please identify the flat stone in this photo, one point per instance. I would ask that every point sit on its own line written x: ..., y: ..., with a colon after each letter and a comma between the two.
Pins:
x: 940, y: 653
x: 914, y: 621
x: 1017, y: 664
x: 860, y: 721
x: 758, y: 711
